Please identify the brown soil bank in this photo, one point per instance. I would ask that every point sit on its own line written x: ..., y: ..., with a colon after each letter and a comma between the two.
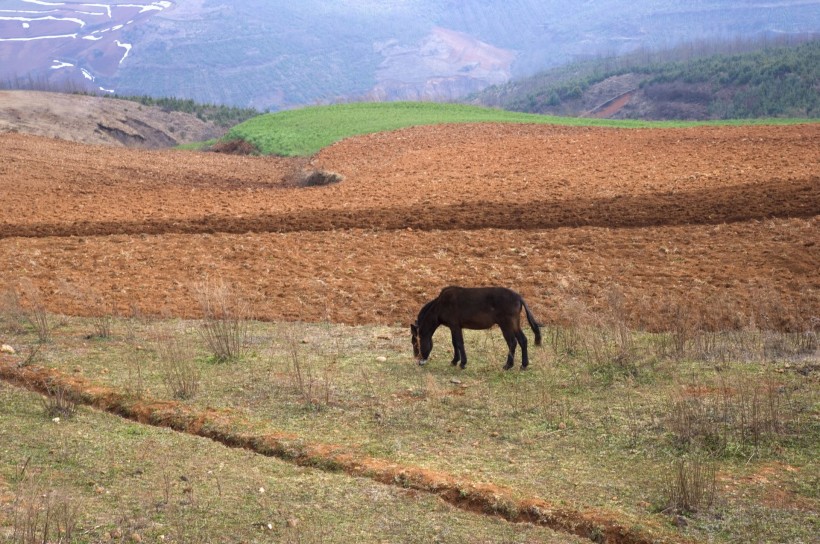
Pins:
x: 722, y: 220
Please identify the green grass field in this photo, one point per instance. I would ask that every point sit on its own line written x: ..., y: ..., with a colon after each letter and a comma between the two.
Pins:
x: 589, y: 426
x: 305, y: 131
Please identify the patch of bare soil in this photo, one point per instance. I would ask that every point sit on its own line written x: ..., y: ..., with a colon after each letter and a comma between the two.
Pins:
x: 723, y: 220
x: 98, y: 120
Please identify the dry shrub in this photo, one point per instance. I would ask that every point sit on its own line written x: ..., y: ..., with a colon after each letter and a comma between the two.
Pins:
x: 136, y: 357
x: 313, y: 384
x: 102, y: 312
x: 12, y: 316
x: 689, y: 486
x: 683, y: 326
x: 103, y: 316
x: 745, y: 411
x: 35, y: 314
x: 224, y: 326
x: 29, y: 354
x: 603, y: 340
x: 180, y: 372
x: 618, y: 322
x: 42, y: 515
x: 134, y: 361
x: 564, y: 340
x: 727, y: 346
x: 778, y: 345
x: 59, y: 402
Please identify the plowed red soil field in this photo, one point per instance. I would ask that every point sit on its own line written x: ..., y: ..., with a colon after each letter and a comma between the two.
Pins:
x: 721, y: 220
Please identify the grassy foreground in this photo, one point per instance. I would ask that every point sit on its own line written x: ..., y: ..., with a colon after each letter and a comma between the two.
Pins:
x: 110, y: 480
x: 590, y: 426
x: 303, y: 132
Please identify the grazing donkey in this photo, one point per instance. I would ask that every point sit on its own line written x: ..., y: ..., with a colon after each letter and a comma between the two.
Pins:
x: 473, y: 308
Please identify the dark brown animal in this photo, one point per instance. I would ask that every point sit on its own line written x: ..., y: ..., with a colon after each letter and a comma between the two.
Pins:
x: 473, y: 308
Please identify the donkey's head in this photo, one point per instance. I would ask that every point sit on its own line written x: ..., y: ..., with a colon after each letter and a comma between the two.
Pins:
x: 422, y: 344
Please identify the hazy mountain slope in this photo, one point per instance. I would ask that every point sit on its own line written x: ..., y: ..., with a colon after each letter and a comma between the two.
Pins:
x: 769, y: 81
x: 277, y: 53
x: 98, y: 120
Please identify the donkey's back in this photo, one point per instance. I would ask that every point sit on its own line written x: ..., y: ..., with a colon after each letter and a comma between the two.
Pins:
x: 478, y: 307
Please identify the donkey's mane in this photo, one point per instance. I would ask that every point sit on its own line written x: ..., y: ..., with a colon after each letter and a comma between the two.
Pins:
x: 424, y: 310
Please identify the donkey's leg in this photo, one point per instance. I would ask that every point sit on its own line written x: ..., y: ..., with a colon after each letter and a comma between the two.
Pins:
x: 509, y: 336
x: 522, y: 341
x: 456, y: 347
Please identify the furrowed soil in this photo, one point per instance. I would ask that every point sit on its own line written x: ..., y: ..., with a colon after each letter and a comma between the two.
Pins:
x: 721, y: 219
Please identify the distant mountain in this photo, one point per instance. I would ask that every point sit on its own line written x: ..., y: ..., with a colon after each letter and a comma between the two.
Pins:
x: 273, y: 54
x: 769, y: 81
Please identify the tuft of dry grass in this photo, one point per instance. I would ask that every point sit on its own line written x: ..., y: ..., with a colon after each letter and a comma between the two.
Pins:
x: 12, y: 315
x: 35, y: 313
x: 313, y: 384
x: 689, y: 486
x: 43, y: 515
x: 59, y: 402
x: 180, y: 371
x: 743, y: 411
x: 224, y: 326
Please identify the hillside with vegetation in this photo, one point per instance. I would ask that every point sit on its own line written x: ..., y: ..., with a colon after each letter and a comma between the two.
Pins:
x: 771, y: 81
x: 218, y: 114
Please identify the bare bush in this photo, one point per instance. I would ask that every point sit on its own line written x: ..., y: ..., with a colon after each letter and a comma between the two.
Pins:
x: 180, y: 372
x: 103, y: 324
x: 728, y: 345
x: 779, y: 345
x: 564, y: 340
x: 42, y: 515
x: 29, y: 354
x: 134, y: 361
x: 689, y: 486
x: 743, y: 411
x: 12, y: 316
x: 224, y: 326
x: 59, y: 401
x: 603, y: 340
x: 314, y: 385
x: 102, y: 311
x: 35, y: 313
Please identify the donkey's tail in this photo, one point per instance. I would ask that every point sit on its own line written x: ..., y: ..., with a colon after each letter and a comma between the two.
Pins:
x: 533, y: 323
